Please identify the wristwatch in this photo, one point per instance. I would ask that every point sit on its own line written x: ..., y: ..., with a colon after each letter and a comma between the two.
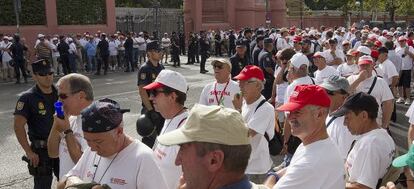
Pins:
x: 65, y: 133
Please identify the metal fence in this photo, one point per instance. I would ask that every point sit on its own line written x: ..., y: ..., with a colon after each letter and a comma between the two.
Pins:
x: 149, y: 19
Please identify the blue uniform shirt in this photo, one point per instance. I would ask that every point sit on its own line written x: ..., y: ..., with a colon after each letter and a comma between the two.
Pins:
x: 243, y: 184
x: 38, y: 109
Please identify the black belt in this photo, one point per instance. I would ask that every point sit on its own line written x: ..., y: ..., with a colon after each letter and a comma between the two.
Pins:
x: 39, y: 144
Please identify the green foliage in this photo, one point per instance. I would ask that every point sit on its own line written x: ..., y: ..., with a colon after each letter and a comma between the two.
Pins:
x: 81, y: 12
x: 32, y: 13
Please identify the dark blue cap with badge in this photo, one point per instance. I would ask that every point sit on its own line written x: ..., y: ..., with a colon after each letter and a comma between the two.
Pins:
x: 153, y: 46
x: 102, y: 116
x: 267, y: 40
x: 42, y: 66
x: 240, y: 43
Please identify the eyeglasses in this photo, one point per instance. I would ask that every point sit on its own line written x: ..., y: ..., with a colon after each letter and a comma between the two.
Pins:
x: 218, y: 66
x: 154, y: 93
x: 44, y: 74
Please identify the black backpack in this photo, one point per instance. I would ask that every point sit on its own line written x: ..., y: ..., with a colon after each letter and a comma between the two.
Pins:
x: 276, y: 143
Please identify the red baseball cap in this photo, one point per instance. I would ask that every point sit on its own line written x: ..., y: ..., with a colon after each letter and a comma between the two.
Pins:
x: 249, y: 72
x: 374, y: 54
x: 306, y: 95
x: 378, y: 43
x: 297, y: 39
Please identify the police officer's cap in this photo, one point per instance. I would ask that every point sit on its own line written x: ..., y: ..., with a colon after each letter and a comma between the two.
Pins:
x: 240, y: 43
x: 153, y: 46
x: 260, y: 38
x: 267, y: 40
x: 247, y: 30
x: 101, y: 116
x: 42, y: 66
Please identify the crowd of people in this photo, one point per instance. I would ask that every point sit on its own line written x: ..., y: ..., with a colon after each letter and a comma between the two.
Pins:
x: 325, y: 96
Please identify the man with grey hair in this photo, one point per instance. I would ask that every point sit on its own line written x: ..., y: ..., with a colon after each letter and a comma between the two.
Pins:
x: 66, y: 137
x: 214, y: 149
x: 298, y: 74
x: 337, y: 88
x: 260, y: 118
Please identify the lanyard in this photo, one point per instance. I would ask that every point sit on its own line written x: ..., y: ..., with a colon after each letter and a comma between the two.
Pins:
x: 222, y: 92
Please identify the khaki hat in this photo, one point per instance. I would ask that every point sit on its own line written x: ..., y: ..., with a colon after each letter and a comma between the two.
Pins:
x: 213, y: 124
x: 221, y: 60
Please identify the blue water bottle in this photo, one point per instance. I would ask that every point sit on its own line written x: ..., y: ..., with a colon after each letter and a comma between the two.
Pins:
x: 59, y: 110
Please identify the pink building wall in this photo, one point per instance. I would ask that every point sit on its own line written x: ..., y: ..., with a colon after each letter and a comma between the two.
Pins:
x: 238, y: 14
x: 52, y: 27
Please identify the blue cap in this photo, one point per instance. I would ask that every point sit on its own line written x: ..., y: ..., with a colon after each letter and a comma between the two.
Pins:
x: 42, y: 66
x: 101, y: 116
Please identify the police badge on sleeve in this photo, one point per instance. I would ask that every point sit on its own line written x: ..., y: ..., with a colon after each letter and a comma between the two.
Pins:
x: 19, y: 105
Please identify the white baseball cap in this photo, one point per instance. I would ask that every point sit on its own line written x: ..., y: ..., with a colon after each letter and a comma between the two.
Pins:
x: 40, y: 35
x: 365, y: 50
x: 299, y: 59
x: 320, y: 55
x: 169, y: 78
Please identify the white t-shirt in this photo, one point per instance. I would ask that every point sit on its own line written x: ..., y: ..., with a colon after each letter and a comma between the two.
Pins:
x: 316, y: 165
x: 410, y: 114
x: 395, y: 59
x: 381, y: 91
x: 165, y: 155
x: 340, y: 135
x: 6, y: 55
x: 133, y: 167
x: 113, y: 48
x: 298, y: 81
x: 320, y: 75
x: 407, y: 61
x: 370, y: 157
x: 389, y: 71
x: 65, y: 161
x: 165, y: 42
x: 281, y: 43
x: 214, y: 91
x: 345, y: 70
x: 261, y: 121
x: 55, y: 52
x: 280, y: 88
x: 330, y: 58
x: 142, y: 46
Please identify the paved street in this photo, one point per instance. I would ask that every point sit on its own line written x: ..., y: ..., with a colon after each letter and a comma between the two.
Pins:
x: 121, y: 87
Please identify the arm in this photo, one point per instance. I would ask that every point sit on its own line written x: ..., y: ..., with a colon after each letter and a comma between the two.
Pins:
x: 271, y: 180
x: 19, y: 123
x: 387, y: 107
x: 71, y: 180
x: 394, y: 82
x: 355, y: 185
x: 145, y: 98
x: 279, y: 75
x: 53, y: 142
x: 410, y: 135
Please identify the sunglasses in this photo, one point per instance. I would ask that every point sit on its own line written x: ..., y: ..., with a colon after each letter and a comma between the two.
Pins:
x: 64, y: 96
x: 155, y: 92
x: 218, y: 66
x: 45, y: 74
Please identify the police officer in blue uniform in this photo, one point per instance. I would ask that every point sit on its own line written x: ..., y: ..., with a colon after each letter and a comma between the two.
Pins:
x: 35, y: 107
x: 257, y: 49
x: 147, y: 73
x: 204, y: 51
x: 267, y: 64
x: 248, y: 39
x: 240, y: 59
